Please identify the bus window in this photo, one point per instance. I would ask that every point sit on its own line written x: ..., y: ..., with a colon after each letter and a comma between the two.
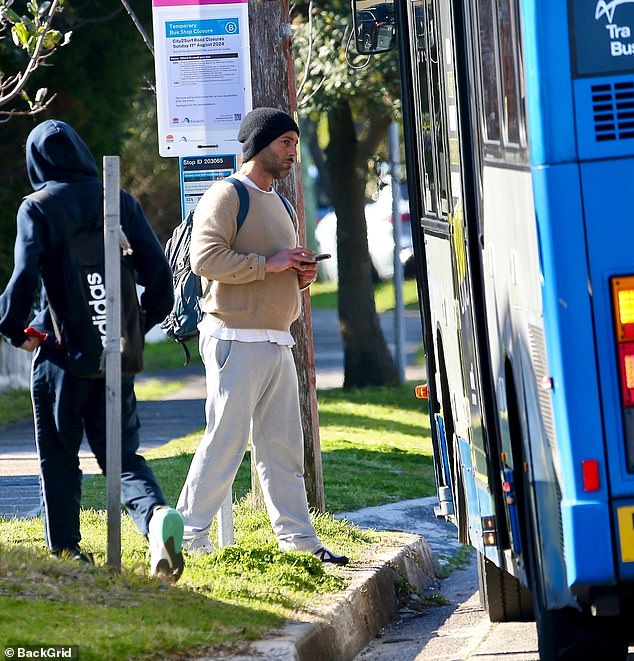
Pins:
x: 432, y: 137
x: 425, y: 51
x: 488, y: 63
x: 510, y: 88
x: 438, y: 130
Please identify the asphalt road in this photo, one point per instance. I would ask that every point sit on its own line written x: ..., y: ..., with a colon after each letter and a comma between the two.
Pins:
x: 458, y: 630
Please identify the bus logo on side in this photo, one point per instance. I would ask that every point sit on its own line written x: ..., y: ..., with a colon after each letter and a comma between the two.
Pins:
x: 607, y: 8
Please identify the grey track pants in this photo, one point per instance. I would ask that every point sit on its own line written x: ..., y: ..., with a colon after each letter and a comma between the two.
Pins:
x: 249, y: 382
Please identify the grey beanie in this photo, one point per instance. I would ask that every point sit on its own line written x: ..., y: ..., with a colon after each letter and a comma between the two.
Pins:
x: 260, y: 127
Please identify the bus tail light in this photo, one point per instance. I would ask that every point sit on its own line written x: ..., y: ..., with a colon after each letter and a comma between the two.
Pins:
x: 623, y: 307
x: 590, y: 473
x: 622, y: 289
x: 623, y: 300
x: 626, y: 371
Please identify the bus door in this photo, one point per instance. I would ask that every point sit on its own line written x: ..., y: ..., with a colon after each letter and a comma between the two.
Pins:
x: 503, y: 215
x: 447, y: 270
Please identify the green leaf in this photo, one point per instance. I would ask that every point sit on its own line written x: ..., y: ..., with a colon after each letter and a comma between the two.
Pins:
x: 12, y: 16
x: 52, y: 38
x: 20, y: 35
x: 30, y: 45
x: 28, y: 24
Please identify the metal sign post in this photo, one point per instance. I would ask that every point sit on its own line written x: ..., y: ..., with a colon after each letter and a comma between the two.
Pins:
x: 399, y: 333
x: 225, y: 521
x: 113, y: 357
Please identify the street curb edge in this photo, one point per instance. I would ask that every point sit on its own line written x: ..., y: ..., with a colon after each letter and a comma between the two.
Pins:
x: 355, y: 617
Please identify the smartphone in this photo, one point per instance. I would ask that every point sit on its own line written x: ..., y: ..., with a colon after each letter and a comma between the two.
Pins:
x: 319, y: 257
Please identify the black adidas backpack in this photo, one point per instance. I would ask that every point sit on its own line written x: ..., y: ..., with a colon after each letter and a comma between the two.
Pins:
x: 181, y: 324
x: 79, y: 318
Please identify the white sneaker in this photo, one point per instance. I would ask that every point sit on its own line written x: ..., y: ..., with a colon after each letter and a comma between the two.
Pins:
x: 165, y: 536
x: 200, y: 545
x: 202, y: 549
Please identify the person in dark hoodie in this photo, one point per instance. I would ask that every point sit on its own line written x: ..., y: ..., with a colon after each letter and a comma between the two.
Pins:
x: 65, y: 405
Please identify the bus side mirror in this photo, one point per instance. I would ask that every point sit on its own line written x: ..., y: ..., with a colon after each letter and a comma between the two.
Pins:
x: 374, y: 26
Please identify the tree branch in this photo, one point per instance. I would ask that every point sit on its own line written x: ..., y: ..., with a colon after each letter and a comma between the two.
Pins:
x: 139, y: 27
x: 19, y: 80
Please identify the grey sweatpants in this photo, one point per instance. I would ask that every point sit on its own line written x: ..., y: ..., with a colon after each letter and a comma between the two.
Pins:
x: 249, y: 382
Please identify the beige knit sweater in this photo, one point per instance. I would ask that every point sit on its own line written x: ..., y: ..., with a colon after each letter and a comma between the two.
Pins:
x: 237, y: 291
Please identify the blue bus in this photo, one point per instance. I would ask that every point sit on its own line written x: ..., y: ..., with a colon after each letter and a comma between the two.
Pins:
x: 519, y: 139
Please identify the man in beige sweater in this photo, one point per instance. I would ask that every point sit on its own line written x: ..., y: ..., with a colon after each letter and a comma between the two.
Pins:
x: 251, y: 282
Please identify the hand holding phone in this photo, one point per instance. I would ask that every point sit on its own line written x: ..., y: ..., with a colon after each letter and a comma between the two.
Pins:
x: 317, y: 258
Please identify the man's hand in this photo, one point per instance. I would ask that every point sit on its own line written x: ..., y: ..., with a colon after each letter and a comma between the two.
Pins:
x: 30, y: 344
x: 307, y: 274
x: 298, y: 259
x: 36, y: 337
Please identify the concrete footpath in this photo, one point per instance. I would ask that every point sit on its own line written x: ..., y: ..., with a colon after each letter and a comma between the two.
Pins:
x: 336, y: 630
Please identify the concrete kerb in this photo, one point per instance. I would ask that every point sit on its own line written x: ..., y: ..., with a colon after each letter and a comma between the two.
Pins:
x: 340, y: 629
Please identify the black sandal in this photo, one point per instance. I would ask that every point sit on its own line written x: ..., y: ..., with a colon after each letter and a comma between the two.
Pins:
x: 328, y: 556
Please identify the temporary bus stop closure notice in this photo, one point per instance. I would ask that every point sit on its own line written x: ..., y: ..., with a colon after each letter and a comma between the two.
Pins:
x: 203, y: 75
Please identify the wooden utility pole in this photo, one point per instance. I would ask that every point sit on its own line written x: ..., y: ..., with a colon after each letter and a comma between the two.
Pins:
x: 273, y: 82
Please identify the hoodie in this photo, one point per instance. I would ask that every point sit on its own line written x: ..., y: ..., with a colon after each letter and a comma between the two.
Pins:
x: 59, y: 161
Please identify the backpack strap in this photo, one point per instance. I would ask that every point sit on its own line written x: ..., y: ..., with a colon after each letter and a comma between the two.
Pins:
x: 243, y: 196
x: 287, y: 204
x: 65, y: 226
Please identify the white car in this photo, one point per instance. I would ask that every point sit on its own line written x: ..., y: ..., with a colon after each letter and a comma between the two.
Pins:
x: 378, y: 217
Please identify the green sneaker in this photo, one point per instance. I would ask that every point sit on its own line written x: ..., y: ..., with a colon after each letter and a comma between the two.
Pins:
x: 165, y: 536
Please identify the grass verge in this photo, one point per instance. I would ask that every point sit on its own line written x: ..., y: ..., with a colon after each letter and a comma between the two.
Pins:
x: 222, y: 601
x: 375, y: 448
x: 14, y: 405
x: 323, y: 295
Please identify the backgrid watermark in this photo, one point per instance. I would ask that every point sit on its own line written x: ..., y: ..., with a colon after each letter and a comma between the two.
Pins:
x: 42, y: 652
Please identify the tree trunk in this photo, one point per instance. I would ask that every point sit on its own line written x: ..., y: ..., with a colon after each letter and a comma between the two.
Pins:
x: 367, y: 358
x: 273, y: 81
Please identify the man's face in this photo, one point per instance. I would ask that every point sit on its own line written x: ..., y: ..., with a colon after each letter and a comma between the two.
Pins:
x: 279, y: 157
